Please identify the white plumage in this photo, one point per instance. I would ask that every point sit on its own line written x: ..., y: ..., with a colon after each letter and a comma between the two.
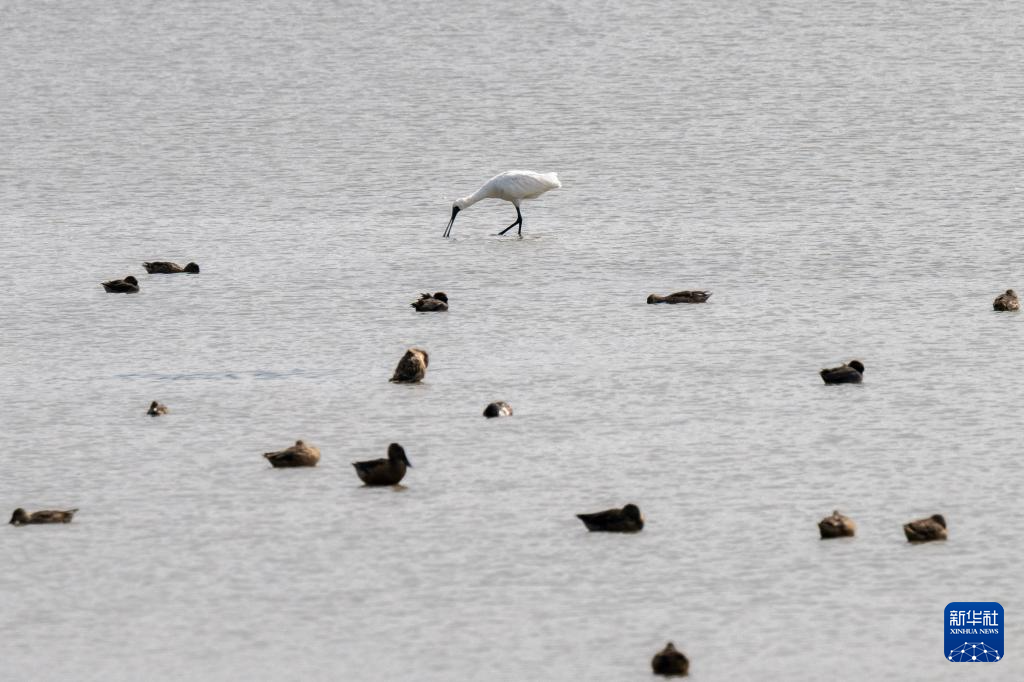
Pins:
x: 513, y: 186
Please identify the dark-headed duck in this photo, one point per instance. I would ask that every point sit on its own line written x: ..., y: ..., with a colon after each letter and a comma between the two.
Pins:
x: 1007, y: 301
x: 670, y: 662
x: 850, y: 373
x: 156, y: 409
x: 384, y: 471
x: 498, y: 409
x: 21, y: 518
x: 926, y: 530
x: 625, y: 520
x: 437, y: 302
x: 128, y: 285
x: 681, y: 297
x: 162, y: 267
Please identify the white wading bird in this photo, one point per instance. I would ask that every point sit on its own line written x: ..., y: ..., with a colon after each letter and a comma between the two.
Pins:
x: 514, y: 186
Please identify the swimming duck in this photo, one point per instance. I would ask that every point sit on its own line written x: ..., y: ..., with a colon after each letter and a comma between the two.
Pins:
x: 20, y: 517
x: 670, y: 662
x: 298, y: 455
x: 837, y: 526
x: 681, y: 297
x: 384, y: 471
x: 926, y: 530
x: 498, y: 409
x: 850, y: 373
x: 625, y: 520
x: 412, y: 367
x: 128, y: 285
x: 156, y: 409
x: 1007, y: 301
x: 168, y: 268
x: 431, y: 302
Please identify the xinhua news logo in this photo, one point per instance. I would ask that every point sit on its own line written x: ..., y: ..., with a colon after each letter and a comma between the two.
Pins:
x: 974, y: 632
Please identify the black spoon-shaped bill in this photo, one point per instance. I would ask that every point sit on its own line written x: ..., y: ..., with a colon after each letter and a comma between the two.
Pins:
x: 455, y: 212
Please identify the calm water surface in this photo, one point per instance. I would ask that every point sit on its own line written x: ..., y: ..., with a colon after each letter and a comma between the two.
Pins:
x: 844, y: 177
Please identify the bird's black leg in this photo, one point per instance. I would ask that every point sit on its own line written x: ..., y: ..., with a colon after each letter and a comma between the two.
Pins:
x: 519, y: 222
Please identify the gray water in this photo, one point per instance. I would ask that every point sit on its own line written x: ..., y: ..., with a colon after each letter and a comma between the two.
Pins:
x: 845, y: 178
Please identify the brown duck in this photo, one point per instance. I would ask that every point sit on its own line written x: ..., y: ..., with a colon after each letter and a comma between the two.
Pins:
x: 926, y: 530
x: 384, y: 471
x: 625, y: 520
x: 850, y: 373
x: 837, y: 526
x: 21, y: 518
x: 128, y: 285
x: 412, y: 367
x: 156, y: 409
x: 163, y: 267
x: 498, y: 409
x: 670, y: 662
x: 298, y: 455
x: 1007, y: 301
x: 437, y: 302
x: 681, y: 297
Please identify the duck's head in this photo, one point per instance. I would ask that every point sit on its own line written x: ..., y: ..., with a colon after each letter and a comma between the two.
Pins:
x: 652, y: 298
x: 19, y: 517
x: 1011, y: 293
x: 633, y: 512
x: 153, y: 405
x: 426, y: 358
x: 441, y: 296
x: 396, y: 453
x: 193, y: 268
x: 857, y: 365
x: 939, y: 519
x: 299, y: 443
x: 130, y: 279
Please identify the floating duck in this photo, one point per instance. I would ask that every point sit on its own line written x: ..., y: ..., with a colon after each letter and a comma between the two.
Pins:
x: 1007, y: 301
x: 498, y: 409
x: 128, y: 285
x: 156, y: 409
x: 162, y: 267
x: 437, y: 302
x: 625, y: 520
x: 837, y: 526
x: 850, y: 373
x: 681, y: 297
x: 412, y: 367
x: 21, y: 518
x: 670, y: 662
x: 298, y: 455
x: 384, y: 471
x: 926, y: 530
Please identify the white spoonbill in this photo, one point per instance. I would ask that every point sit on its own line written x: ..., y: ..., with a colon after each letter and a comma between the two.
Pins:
x: 513, y: 186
